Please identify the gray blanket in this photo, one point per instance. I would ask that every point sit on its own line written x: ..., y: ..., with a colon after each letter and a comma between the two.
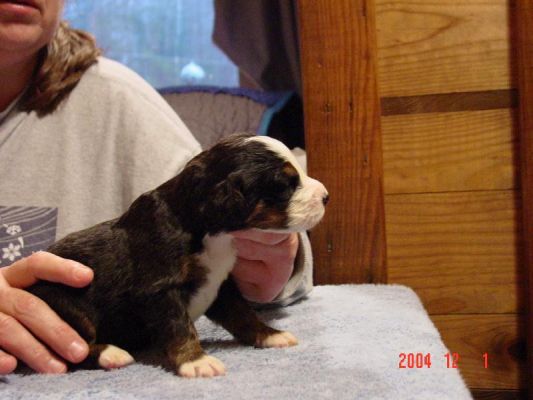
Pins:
x: 351, y: 337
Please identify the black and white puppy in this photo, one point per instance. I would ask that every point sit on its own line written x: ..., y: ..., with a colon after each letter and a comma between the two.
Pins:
x: 166, y: 261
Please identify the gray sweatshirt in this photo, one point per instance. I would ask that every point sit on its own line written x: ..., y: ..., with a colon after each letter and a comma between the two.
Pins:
x: 112, y: 139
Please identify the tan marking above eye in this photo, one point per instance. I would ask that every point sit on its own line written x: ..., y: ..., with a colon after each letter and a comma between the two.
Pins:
x: 258, y: 210
x: 264, y: 218
x: 289, y: 169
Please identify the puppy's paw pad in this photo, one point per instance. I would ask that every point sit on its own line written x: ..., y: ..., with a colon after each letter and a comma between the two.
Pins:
x: 114, y: 357
x: 205, y: 367
x: 280, y: 339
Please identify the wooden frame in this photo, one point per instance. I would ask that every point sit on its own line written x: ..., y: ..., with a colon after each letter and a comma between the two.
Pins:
x: 524, y: 47
x: 344, y: 140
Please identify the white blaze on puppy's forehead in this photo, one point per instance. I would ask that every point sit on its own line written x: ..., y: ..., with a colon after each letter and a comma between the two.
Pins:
x: 280, y: 149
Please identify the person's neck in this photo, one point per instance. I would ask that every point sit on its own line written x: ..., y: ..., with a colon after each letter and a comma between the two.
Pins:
x: 14, y: 78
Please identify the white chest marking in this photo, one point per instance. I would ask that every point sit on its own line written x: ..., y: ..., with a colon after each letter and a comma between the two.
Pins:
x: 218, y: 258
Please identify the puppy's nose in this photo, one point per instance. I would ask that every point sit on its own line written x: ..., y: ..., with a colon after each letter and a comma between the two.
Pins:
x: 325, y: 199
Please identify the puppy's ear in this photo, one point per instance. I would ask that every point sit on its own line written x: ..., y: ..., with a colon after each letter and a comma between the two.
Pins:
x: 228, y: 195
x: 227, y: 206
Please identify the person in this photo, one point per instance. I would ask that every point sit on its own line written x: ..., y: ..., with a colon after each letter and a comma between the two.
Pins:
x: 81, y: 137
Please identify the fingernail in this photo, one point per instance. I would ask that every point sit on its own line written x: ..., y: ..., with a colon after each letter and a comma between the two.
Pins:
x: 56, y: 367
x: 7, y: 363
x: 82, y: 272
x: 77, y: 351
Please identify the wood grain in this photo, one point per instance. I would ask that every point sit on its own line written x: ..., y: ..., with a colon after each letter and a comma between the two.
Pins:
x: 450, y: 102
x: 501, y: 336
x: 460, y: 246
x: 459, y: 251
x: 343, y: 137
x: 443, y: 46
x: 524, y: 44
x: 460, y: 151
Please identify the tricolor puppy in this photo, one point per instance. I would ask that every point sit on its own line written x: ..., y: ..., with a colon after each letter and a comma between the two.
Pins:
x: 167, y: 260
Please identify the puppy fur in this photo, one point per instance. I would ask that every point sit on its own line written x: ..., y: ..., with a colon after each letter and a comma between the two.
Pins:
x: 166, y: 260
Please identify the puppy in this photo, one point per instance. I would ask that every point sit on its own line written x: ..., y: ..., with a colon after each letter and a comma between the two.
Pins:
x: 166, y: 260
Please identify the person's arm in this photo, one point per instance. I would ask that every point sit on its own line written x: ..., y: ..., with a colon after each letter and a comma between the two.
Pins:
x: 28, y: 327
x: 273, y: 268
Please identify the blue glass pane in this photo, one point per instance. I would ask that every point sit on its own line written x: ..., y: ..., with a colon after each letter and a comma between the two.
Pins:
x: 168, y: 42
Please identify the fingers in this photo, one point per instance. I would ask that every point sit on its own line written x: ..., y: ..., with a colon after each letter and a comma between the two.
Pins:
x: 259, y: 283
x: 252, y: 291
x: 251, y: 271
x: 23, y: 312
x: 47, y: 266
x: 281, y: 253
x: 28, y: 326
x: 8, y: 363
x: 20, y: 343
x: 265, y: 262
x: 256, y: 235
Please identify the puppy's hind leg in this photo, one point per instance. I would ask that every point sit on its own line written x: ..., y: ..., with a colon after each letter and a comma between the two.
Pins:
x: 108, y: 356
x: 104, y: 356
x: 235, y: 315
x: 82, y: 317
x: 100, y: 355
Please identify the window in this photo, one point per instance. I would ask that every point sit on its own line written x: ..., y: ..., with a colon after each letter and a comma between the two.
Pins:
x: 168, y: 42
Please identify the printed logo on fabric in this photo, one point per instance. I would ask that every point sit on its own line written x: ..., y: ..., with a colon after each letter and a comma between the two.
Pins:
x: 25, y: 230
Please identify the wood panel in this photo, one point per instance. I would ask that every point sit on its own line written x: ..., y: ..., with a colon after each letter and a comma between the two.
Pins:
x: 524, y: 45
x: 449, y: 152
x: 501, y: 336
x: 343, y: 138
x: 457, y: 240
x: 450, y: 102
x: 443, y: 46
x: 459, y: 251
x: 500, y: 394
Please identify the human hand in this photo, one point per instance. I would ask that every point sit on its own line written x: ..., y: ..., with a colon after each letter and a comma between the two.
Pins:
x: 27, y: 325
x: 265, y: 262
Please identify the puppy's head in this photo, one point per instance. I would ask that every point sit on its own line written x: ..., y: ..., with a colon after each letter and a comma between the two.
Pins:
x: 250, y: 182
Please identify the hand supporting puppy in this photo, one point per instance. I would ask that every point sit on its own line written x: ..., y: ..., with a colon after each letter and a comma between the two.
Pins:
x: 265, y: 263
x: 27, y: 324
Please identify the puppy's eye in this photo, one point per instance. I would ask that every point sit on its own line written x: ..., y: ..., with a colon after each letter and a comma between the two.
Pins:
x: 294, y: 181
x: 278, y: 187
x: 277, y: 190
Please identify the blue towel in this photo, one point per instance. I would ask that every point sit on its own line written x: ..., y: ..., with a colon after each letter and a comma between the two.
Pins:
x: 351, y: 337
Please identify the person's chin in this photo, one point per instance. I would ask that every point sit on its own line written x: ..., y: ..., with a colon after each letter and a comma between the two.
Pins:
x: 21, y: 37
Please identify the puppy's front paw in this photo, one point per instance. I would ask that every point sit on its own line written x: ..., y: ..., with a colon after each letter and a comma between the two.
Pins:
x: 205, y: 366
x: 114, y: 357
x: 279, y: 339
